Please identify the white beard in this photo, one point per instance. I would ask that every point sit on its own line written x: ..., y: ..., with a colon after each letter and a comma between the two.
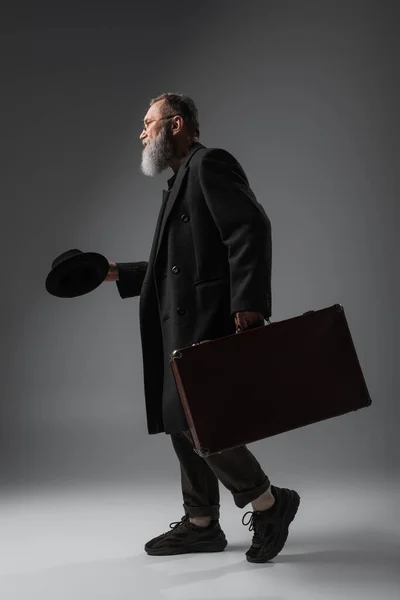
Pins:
x: 157, y: 154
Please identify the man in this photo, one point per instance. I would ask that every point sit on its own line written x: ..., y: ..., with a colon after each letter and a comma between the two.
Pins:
x: 208, y: 275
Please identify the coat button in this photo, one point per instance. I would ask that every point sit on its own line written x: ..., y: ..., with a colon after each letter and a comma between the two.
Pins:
x: 175, y: 270
x: 185, y: 218
x: 181, y: 311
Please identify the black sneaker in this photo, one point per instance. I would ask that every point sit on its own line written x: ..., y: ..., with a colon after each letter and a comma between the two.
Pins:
x: 185, y: 537
x: 271, y: 527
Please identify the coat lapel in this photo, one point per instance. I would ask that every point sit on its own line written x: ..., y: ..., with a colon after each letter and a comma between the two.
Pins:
x: 180, y: 177
x: 149, y: 273
x: 158, y: 226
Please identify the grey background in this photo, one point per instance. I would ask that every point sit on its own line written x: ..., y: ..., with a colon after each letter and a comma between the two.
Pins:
x: 305, y: 95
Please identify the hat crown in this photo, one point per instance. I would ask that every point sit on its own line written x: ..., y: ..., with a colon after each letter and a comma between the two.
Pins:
x: 65, y: 256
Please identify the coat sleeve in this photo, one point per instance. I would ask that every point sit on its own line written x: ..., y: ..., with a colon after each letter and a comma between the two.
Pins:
x: 245, y: 230
x: 130, y: 278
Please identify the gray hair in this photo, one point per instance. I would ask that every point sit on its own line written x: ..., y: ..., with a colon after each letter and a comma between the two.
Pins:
x: 183, y: 106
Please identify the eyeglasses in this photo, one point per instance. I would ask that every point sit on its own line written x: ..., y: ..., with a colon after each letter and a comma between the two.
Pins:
x: 145, y: 126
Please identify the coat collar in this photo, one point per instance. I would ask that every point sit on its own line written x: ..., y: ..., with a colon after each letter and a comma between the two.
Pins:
x: 192, y: 150
x: 176, y: 181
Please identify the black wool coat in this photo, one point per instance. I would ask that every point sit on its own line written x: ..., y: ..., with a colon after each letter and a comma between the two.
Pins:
x: 210, y: 258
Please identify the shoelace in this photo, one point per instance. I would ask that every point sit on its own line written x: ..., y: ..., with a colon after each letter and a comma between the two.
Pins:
x: 251, y: 521
x: 259, y: 527
x: 176, y: 524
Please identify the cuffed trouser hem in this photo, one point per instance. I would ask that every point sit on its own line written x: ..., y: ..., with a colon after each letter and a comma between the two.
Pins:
x: 243, y: 498
x: 202, y: 511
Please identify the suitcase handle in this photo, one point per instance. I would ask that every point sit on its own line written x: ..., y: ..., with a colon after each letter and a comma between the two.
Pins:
x: 238, y: 330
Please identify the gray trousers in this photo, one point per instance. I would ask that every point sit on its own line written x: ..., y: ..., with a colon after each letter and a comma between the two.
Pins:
x: 237, y: 469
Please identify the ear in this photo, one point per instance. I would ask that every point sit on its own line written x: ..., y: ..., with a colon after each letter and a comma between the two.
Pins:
x: 177, y: 124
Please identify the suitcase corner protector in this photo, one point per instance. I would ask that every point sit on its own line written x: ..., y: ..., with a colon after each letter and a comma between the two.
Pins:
x: 202, y: 452
x: 175, y: 354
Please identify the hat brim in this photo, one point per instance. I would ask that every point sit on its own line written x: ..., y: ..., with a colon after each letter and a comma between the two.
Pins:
x: 77, y: 275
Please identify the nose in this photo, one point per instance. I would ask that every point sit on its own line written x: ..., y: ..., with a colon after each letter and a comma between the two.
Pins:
x: 142, y: 135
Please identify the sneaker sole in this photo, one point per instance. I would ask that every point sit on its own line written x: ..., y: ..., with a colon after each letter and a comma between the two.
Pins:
x: 200, y: 547
x: 290, y: 515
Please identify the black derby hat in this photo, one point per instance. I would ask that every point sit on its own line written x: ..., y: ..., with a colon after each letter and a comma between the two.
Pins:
x: 75, y: 273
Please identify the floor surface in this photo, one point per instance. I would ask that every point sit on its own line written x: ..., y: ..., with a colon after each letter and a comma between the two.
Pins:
x: 76, y: 543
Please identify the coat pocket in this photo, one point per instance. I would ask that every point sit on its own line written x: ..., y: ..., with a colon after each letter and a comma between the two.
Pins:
x: 204, y: 282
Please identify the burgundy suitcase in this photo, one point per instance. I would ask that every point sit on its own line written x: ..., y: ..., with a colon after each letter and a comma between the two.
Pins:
x: 264, y: 381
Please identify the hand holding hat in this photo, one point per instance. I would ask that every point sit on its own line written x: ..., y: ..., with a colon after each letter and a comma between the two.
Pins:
x: 75, y: 273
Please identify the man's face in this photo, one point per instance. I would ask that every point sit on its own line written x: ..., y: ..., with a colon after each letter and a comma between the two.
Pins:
x: 157, y: 140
